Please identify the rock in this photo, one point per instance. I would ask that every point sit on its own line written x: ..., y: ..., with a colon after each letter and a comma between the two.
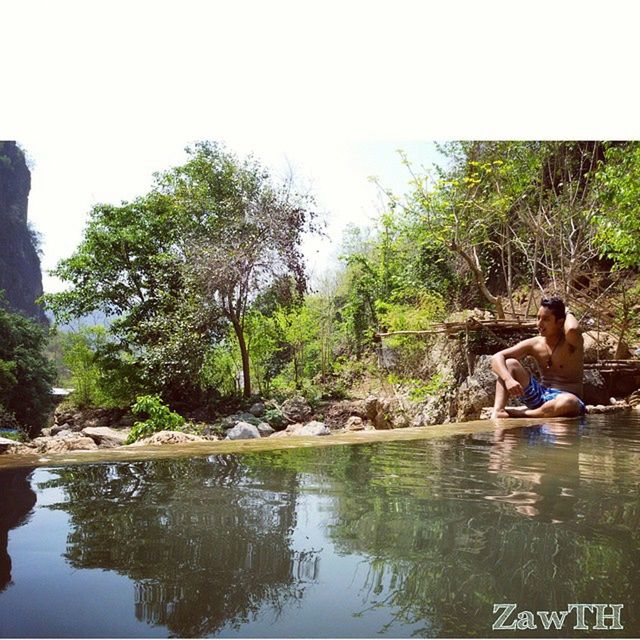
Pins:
x: 5, y: 443
x: 338, y: 413
x: 275, y: 418
x: 106, y: 436
x: 46, y: 431
x: 436, y: 410
x: 281, y: 434
x: 228, y: 422
x: 65, y: 433
x: 296, y: 409
x: 477, y: 391
x: 211, y: 430
x: 168, y: 437
x: 127, y: 420
x: 257, y: 409
x: 595, y: 388
x: 354, y: 423
x: 313, y: 428
x: 243, y: 431
x: 604, y: 346
x: 57, y: 428
x: 265, y: 429
x: 371, y: 407
x: 73, y: 442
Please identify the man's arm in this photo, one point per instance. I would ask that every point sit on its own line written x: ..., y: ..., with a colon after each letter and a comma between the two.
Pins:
x: 499, y: 364
x: 572, y: 331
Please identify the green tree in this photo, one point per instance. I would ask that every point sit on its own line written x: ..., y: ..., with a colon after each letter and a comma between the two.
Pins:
x: 249, y: 233
x: 174, y: 266
x: 618, y: 224
x: 26, y: 376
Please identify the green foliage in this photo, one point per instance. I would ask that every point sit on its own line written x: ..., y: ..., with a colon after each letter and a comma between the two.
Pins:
x: 177, y: 266
x: 275, y: 418
x: 421, y: 390
x: 159, y: 418
x: 26, y: 376
x: 222, y: 367
x: 79, y: 355
x: 18, y: 436
x: 618, y: 224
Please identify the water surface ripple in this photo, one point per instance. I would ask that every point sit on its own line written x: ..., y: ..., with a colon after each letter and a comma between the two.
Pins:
x: 399, y: 538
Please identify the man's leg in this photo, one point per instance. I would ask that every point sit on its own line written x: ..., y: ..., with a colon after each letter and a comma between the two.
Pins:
x: 521, y: 375
x: 566, y: 405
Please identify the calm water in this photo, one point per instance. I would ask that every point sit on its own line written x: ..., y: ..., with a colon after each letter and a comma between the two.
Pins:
x: 399, y: 539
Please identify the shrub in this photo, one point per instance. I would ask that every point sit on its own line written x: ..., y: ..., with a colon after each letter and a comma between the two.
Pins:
x: 159, y: 418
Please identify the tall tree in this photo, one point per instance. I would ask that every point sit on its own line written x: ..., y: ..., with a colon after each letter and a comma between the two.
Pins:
x: 248, y: 232
x: 176, y: 264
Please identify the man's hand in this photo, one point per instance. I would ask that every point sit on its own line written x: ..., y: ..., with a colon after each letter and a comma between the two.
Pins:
x: 514, y: 388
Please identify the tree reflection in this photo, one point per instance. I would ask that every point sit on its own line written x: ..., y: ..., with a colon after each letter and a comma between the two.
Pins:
x: 453, y: 526
x: 207, y: 541
x: 16, y: 503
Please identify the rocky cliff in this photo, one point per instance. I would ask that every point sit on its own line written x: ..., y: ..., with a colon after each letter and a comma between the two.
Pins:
x: 20, y: 275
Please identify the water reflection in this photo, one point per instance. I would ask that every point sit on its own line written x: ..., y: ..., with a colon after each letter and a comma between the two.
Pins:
x: 546, y: 484
x: 16, y: 503
x: 419, y: 537
x: 206, y: 543
x: 445, y: 531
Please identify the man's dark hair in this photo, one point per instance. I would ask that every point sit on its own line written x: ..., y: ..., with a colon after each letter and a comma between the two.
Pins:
x: 556, y: 306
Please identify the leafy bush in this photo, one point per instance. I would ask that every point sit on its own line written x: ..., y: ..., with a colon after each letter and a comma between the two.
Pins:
x: 159, y: 418
x: 26, y: 375
x: 420, y: 390
x: 275, y: 418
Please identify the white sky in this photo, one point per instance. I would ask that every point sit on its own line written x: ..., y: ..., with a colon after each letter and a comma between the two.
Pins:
x: 102, y: 94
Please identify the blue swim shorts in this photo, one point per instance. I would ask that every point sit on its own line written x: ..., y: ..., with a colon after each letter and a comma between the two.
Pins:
x: 536, y: 394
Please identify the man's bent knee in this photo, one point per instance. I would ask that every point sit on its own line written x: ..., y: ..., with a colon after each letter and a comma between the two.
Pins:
x: 517, y: 371
x: 566, y: 404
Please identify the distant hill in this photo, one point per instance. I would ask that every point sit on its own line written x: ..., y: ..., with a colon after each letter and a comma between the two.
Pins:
x: 20, y: 274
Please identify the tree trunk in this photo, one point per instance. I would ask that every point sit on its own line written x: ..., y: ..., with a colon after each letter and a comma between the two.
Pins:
x: 474, y: 264
x: 244, y: 353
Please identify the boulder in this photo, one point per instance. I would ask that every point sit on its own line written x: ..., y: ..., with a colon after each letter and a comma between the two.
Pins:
x: 384, y: 413
x: 603, y: 346
x: 338, y: 413
x: 265, y: 429
x: 73, y: 442
x: 354, y: 423
x: 257, y: 409
x: 296, y: 409
x: 281, y: 434
x: 6, y: 443
x: 231, y: 421
x: 313, y: 428
x: 595, y: 388
x: 211, y: 431
x: 243, y: 431
x: 477, y: 391
x: 168, y: 437
x: 66, y: 426
x: 106, y: 437
x: 435, y: 410
x: 245, y: 416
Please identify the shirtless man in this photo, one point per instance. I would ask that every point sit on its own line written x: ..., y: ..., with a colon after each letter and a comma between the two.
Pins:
x: 559, y: 352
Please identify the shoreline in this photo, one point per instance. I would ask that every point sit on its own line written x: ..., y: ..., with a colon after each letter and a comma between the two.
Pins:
x: 132, y: 453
